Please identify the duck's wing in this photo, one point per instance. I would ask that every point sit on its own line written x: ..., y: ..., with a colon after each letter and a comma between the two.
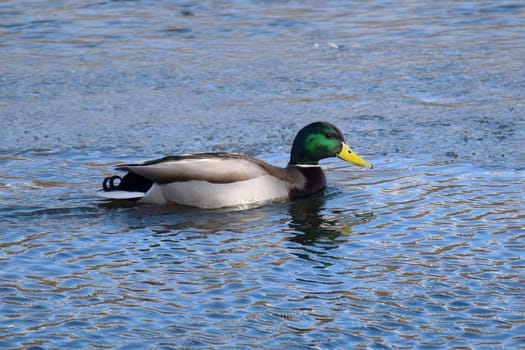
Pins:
x: 210, y: 167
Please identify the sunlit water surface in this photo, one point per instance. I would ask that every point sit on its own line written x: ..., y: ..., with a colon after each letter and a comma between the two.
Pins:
x: 424, y: 251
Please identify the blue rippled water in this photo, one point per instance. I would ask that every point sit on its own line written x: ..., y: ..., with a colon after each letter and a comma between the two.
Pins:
x: 425, y: 251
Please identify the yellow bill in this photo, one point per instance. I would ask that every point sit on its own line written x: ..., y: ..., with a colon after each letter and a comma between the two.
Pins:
x: 350, y: 156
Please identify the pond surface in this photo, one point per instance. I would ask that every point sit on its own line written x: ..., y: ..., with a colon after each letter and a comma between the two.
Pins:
x: 424, y: 251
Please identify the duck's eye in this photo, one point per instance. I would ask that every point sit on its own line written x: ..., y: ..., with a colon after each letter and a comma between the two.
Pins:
x: 330, y: 135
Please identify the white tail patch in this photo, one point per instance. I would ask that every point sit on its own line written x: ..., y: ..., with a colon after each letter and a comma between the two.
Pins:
x: 120, y: 194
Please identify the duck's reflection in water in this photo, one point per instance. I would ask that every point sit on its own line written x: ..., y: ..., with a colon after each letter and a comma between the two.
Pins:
x: 313, y: 224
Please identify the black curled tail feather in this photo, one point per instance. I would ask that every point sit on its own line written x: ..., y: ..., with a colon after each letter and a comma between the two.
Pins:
x: 109, y: 183
x: 130, y: 182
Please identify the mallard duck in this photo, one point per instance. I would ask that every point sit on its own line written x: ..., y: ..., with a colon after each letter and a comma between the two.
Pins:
x: 215, y: 180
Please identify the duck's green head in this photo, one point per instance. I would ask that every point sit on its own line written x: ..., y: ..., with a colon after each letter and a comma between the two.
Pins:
x: 321, y: 140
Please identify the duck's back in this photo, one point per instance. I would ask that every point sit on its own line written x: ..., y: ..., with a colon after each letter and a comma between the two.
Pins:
x: 211, y: 167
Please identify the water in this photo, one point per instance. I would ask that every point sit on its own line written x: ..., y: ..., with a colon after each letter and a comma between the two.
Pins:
x: 424, y: 251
